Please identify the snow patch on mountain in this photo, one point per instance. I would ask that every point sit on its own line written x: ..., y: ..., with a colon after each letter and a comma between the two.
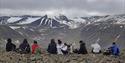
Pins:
x: 13, y: 19
x: 55, y: 21
x: 79, y: 20
x: 14, y: 27
x: 29, y: 20
x: 120, y: 21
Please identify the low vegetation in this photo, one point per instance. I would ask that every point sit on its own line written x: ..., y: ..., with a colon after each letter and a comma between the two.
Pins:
x: 12, y: 57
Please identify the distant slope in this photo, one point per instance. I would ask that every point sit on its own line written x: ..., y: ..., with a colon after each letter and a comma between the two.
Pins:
x: 7, y: 32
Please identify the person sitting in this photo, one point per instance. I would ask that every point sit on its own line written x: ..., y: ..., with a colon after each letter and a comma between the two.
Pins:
x: 107, y: 52
x: 36, y: 51
x: 10, y: 46
x: 59, y: 47
x: 64, y: 49
x: 24, y: 47
x: 52, y: 47
x: 35, y: 48
x: 115, y: 49
x: 74, y: 48
x: 82, y: 49
x: 96, y: 48
x: 69, y: 49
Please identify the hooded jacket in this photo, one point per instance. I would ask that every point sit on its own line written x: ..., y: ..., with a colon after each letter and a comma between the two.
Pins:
x: 25, y: 47
x: 52, y: 48
x: 96, y: 48
x: 10, y: 47
x: 115, y: 50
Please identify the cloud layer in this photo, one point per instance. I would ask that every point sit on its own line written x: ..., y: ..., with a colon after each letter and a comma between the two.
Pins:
x: 67, y: 7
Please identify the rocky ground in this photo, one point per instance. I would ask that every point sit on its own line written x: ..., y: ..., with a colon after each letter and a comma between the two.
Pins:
x: 12, y: 57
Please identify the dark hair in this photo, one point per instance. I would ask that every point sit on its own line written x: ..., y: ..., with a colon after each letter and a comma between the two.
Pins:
x: 35, y: 42
x: 65, y: 44
x: 80, y: 41
x: 59, y: 41
x: 9, y: 40
x: 113, y: 43
x: 53, y: 41
x: 25, y: 41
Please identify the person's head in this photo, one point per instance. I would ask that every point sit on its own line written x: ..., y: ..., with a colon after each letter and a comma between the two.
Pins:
x: 113, y: 43
x: 25, y: 41
x: 65, y: 44
x: 59, y: 41
x: 35, y: 42
x: 68, y: 46
x: 81, y: 42
x: 52, y: 41
x: 9, y: 40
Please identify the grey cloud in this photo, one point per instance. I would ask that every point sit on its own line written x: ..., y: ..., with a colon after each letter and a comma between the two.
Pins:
x: 99, y: 6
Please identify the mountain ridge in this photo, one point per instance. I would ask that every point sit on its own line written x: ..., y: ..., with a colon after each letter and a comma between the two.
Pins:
x: 89, y: 29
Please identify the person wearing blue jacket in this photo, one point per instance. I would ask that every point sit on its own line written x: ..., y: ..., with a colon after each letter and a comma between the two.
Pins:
x: 115, y: 49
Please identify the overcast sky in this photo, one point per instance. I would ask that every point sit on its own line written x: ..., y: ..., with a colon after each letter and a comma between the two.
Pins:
x: 67, y: 7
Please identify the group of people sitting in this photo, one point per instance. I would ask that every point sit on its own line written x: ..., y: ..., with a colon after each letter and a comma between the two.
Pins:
x: 61, y: 48
x: 65, y: 48
x: 24, y: 47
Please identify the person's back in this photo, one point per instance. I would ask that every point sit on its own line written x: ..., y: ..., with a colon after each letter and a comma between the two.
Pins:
x: 107, y: 52
x: 74, y: 48
x: 96, y: 48
x: 82, y: 49
x: 10, y: 46
x: 24, y: 47
x: 35, y: 46
x: 59, y: 46
x: 115, y: 49
x: 64, y: 49
x: 52, y: 47
x: 69, y: 48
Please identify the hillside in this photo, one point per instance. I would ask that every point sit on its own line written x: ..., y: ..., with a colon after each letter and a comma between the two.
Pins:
x: 11, y: 57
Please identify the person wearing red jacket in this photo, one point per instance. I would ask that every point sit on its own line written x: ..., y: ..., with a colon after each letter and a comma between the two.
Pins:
x: 34, y: 47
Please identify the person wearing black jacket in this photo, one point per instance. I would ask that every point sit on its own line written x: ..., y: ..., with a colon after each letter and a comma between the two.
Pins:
x: 10, y: 46
x: 52, y: 49
x: 24, y: 47
x: 82, y: 49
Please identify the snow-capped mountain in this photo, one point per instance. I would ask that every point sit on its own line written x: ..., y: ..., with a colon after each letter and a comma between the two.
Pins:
x: 54, y: 22
x: 42, y: 28
x: 60, y: 21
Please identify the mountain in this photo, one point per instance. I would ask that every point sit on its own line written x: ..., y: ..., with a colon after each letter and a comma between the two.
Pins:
x: 54, y: 22
x: 7, y: 32
x: 60, y: 20
x: 107, y: 28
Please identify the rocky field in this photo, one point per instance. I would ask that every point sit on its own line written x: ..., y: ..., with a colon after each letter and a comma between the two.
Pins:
x: 12, y: 57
